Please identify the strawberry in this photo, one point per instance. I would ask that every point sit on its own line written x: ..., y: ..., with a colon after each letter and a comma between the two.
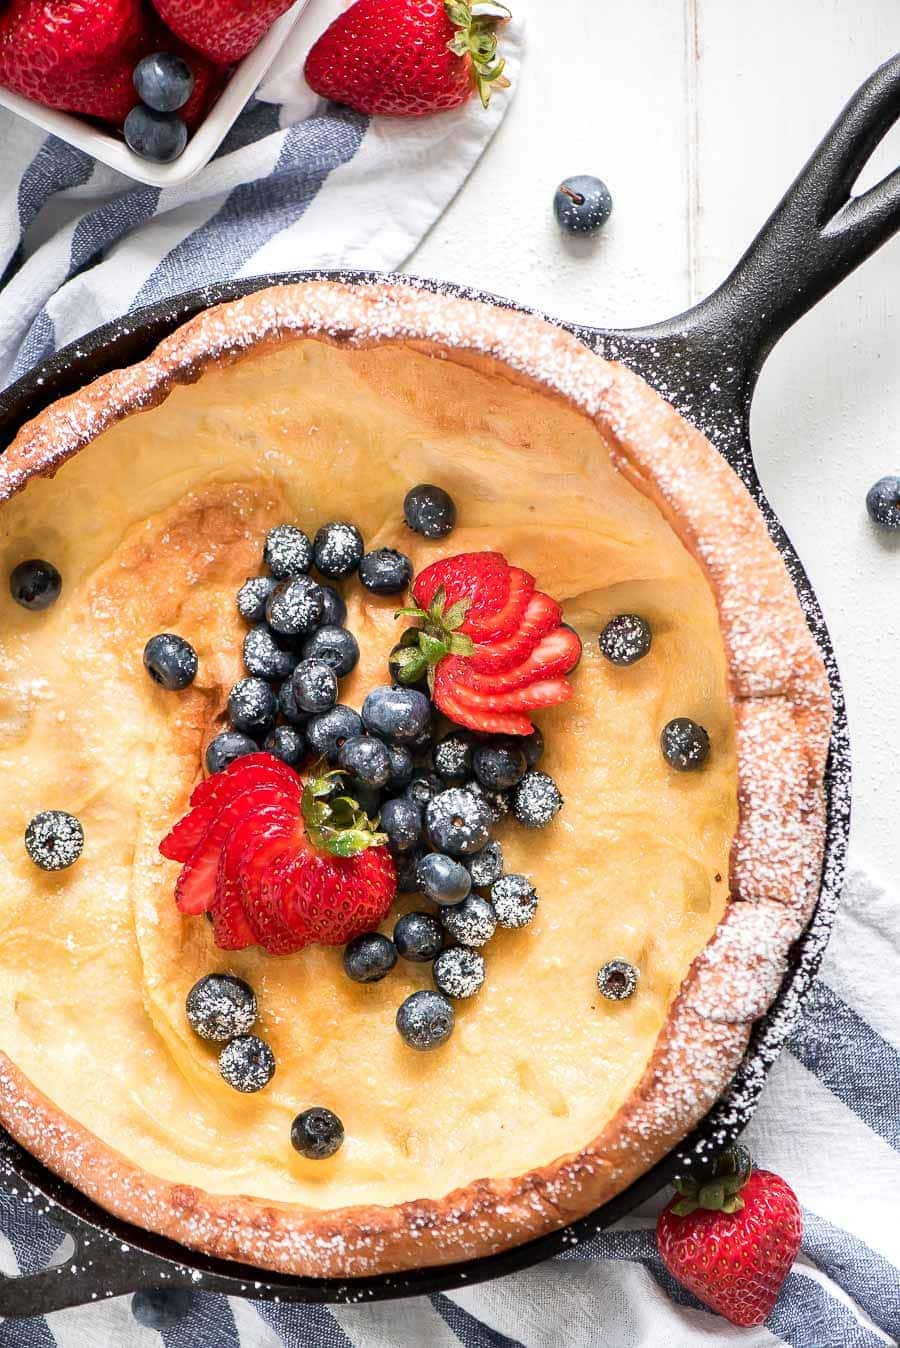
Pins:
x: 541, y: 616
x: 478, y: 580
x: 494, y: 647
x: 731, y: 1238
x: 276, y: 866
x: 330, y: 899
x: 210, y: 796
x: 194, y: 889
x: 556, y: 653
x: 407, y: 57
x: 75, y: 56
x: 223, y: 30
x: 477, y: 712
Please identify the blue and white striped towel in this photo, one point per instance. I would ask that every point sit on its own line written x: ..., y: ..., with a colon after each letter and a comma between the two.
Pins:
x: 299, y: 185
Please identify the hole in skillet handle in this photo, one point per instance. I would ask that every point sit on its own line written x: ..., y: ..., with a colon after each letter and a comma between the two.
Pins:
x: 100, y: 1266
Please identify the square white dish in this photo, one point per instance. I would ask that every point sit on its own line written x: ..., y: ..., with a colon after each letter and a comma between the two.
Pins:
x: 112, y: 150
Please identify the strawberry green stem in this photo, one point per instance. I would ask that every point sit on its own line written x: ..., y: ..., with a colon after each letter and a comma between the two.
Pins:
x: 335, y: 823
x: 476, y: 38
x: 439, y: 637
x: 717, y: 1188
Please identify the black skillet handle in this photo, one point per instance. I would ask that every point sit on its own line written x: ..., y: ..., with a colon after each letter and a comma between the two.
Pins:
x: 711, y: 355
x: 103, y: 1263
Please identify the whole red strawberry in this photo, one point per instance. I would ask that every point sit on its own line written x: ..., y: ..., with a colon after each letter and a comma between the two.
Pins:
x: 223, y: 30
x: 277, y: 863
x: 407, y: 57
x: 73, y: 55
x: 731, y: 1239
x: 495, y: 648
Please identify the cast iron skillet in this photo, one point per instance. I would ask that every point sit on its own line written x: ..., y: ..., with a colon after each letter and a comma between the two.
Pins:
x: 706, y: 362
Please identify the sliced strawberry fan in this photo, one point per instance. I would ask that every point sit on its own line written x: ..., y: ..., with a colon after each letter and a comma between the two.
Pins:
x: 494, y: 647
x: 279, y: 863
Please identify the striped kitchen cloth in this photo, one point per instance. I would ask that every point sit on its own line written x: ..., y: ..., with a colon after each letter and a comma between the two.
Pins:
x: 829, y: 1121
x: 297, y: 183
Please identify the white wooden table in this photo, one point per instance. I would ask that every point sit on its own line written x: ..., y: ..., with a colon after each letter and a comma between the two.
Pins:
x: 698, y: 114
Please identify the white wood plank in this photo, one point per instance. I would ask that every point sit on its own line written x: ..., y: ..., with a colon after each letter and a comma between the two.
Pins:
x: 602, y: 91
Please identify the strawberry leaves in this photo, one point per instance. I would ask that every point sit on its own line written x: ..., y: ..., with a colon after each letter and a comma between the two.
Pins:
x: 424, y: 649
x: 336, y: 824
x: 476, y: 38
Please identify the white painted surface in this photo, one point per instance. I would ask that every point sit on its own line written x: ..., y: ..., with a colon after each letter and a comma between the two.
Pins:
x: 698, y: 113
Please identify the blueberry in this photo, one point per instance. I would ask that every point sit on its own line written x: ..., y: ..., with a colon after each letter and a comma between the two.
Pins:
x: 497, y: 802
x: 617, y: 980
x: 54, y: 840
x: 582, y: 204
x: 418, y: 937
x: 336, y: 646
x: 452, y: 757
x: 424, y: 787
x: 407, y: 864
x: 338, y: 550
x: 425, y: 1020
x: 402, y: 767
x: 626, y: 639
x: 536, y: 800
x: 385, y: 571
x: 295, y: 607
x: 287, y: 743
x: 220, y: 1007
x: 685, y: 744
x: 326, y: 733
x: 315, y: 686
x: 158, y: 136
x: 401, y: 820
x: 458, y: 822
x: 458, y: 971
x: 35, y: 584
x: 226, y: 747
x: 472, y: 922
x: 264, y: 657
x: 317, y: 1133
x: 162, y: 1308
x: 252, y: 707
x: 163, y: 81
x: 499, y: 764
x: 287, y: 552
x: 287, y: 705
x: 533, y: 747
x: 334, y: 610
x: 486, y: 866
x: 429, y: 511
x: 442, y: 879
x: 170, y: 661
x: 252, y: 598
x: 398, y: 714
x: 366, y: 759
x: 883, y: 502
x: 247, y: 1063
x: 514, y: 899
x: 368, y: 958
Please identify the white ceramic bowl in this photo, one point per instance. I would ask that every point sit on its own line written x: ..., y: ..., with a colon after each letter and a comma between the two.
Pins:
x: 111, y: 149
